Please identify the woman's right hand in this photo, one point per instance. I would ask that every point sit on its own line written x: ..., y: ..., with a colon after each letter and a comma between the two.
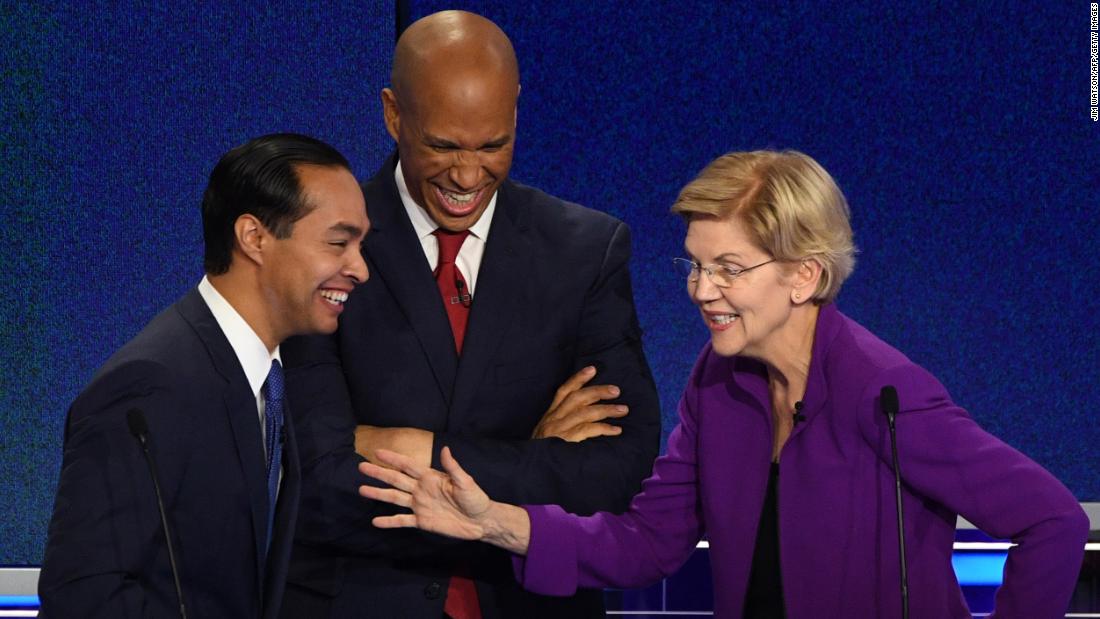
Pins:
x: 448, y: 503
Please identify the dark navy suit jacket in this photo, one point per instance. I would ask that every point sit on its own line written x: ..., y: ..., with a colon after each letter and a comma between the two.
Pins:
x: 106, y: 554
x: 553, y: 295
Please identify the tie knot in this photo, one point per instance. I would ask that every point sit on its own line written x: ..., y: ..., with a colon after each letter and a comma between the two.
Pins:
x: 449, y: 244
x: 273, y: 386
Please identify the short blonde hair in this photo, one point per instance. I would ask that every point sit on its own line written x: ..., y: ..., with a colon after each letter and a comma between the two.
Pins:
x: 790, y: 205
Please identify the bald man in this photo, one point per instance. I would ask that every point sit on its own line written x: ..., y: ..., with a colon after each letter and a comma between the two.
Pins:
x: 498, y: 321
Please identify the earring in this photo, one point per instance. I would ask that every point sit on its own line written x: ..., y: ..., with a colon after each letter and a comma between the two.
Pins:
x: 797, y: 296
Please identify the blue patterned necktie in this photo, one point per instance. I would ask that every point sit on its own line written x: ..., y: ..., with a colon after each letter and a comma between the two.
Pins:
x: 273, y: 430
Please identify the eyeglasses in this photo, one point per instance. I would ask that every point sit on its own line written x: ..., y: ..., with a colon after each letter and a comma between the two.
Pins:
x: 721, y: 275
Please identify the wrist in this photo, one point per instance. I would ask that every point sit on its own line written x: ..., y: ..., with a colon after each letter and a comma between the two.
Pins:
x: 506, y: 526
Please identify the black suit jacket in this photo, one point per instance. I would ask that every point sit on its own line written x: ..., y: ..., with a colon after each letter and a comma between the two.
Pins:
x: 553, y: 295
x: 105, y: 553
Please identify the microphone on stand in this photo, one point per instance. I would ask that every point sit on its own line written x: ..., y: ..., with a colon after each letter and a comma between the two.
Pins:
x: 136, y: 420
x: 888, y: 399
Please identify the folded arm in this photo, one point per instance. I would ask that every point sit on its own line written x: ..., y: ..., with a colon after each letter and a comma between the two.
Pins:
x: 564, y: 551
x: 602, y: 472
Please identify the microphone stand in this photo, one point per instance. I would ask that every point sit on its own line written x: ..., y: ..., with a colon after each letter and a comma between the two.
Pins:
x: 140, y: 430
x: 888, y: 398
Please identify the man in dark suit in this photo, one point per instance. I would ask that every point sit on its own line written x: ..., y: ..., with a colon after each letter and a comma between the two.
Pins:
x: 491, y: 306
x: 201, y: 386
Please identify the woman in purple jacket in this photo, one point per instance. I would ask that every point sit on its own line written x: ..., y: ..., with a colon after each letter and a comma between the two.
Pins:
x: 782, y: 456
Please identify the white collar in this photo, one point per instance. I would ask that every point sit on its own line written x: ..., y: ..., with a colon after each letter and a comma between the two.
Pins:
x: 422, y: 222
x: 251, y: 352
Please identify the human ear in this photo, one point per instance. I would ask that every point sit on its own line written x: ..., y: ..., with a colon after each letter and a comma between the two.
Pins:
x: 805, y: 279
x: 515, y: 112
x: 252, y: 237
x: 390, y: 113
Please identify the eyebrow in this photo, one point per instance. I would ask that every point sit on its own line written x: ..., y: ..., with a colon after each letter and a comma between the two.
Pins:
x: 445, y: 143
x: 729, y: 255
x: 348, y: 228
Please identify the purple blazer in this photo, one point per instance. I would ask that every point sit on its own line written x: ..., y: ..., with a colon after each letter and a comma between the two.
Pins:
x: 837, y: 521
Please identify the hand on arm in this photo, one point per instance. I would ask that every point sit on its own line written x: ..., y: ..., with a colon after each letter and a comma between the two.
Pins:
x: 448, y: 503
x: 576, y: 414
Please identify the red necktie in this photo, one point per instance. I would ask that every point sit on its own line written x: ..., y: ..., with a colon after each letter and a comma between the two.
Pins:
x: 452, y: 286
x: 461, y: 594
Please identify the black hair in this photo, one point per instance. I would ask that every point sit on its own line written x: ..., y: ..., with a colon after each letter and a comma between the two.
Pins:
x: 259, y: 178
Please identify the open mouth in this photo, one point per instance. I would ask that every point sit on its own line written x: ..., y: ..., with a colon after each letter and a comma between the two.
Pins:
x: 335, y: 297
x: 459, y: 204
x: 723, y: 319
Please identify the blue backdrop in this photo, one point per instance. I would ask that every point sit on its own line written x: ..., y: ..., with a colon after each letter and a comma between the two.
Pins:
x: 113, y: 116
x: 961, y: 136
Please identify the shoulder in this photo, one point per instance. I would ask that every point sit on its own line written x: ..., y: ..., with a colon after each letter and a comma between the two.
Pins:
x: 161, y: 362
x: 858, y: 364
x: 540, y: 211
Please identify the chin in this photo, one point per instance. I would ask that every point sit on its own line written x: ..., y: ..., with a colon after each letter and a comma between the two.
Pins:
x: 726, y: 349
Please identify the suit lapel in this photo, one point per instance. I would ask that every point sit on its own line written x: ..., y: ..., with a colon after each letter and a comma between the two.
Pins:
x: 500, y: 289
x: 398, y: 263
x: 240, y: 408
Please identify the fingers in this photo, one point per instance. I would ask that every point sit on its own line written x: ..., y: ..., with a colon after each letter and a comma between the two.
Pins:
x: 397, y: 479
x: 586, y: 397
x: 591, y: 430
x: 597, y: 412
x: 398, y: 521
x: 574, y: 382
x: 399, y: 462
x: 567, y: 426
x: 386, y: 495
x: 452, y: 468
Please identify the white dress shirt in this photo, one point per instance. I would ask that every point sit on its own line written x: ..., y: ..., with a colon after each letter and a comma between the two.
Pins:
x: 473, y: 248
x: 251, y: 352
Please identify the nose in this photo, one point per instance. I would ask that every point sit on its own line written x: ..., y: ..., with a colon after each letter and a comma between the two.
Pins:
x: 466, y: 170
x: 356, y: 268
x: 703, y: 290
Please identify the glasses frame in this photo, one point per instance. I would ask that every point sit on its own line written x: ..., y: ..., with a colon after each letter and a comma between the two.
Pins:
x: 731, y: 272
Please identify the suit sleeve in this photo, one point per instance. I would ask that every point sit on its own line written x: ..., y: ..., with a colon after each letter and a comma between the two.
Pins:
x: 599, y: 474
x: 946, y: 457
x: 331, y: 512
x: 104, y: 521
x: 648, y: 542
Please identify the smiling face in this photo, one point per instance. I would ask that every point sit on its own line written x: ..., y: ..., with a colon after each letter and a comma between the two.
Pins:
x: 752, y: 316
x: 306, y: 277
x: 455, y: 133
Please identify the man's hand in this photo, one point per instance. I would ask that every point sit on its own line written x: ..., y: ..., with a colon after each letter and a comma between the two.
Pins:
x: 575, y: 414
x: 413, y: 443
x: 449, y: 503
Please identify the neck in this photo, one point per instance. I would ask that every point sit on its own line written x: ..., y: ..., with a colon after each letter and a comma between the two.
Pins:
x: 242, y: 291
x: 788, y: 361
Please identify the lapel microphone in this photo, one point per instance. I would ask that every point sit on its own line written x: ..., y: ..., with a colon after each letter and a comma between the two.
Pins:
x: 888, y: 400
x: 463, y: 297
x: 136, y: 420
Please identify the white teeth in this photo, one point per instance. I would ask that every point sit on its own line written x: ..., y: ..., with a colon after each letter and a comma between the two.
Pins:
x: 459, y: 198
x: 335, y: 296
x: 724, y: 319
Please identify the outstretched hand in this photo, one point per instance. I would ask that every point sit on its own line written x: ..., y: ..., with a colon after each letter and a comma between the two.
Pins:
x: 449, y: 503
